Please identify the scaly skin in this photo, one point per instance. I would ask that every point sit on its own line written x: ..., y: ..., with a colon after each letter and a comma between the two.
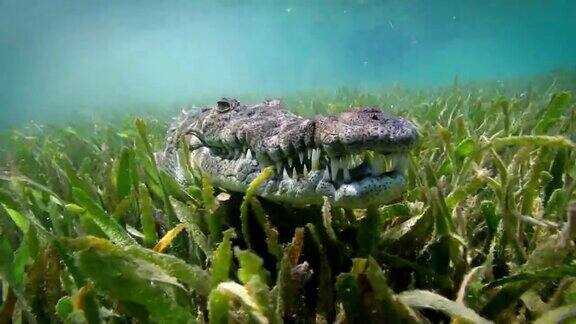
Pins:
x: 356, y: 159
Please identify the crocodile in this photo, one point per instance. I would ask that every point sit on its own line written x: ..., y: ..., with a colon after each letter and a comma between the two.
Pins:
x: 355, y: 160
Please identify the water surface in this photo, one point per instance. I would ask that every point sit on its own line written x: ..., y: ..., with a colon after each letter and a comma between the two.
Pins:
x: 62, y: 58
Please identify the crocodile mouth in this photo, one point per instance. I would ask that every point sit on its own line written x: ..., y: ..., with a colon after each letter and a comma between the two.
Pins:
x: 351, y: 180
x: 342, y: 170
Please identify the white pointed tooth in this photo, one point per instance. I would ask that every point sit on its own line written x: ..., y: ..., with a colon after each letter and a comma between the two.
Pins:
x: 285, y: 175
x: 294, y: 173
x: 309, y: 153
x: 346, y: 175
x: 326, y: 175
x: 290, y: 161
x: 249, y: 154
x: 315, y: 159
x: 305, y: 170
x: 334, y: 165
x: 301, y: 156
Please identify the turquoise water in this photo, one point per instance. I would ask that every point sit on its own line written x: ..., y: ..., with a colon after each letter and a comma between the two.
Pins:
x: 66, y: 57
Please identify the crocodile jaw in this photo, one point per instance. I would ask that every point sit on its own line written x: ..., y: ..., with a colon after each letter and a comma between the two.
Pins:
x: 374, y: 189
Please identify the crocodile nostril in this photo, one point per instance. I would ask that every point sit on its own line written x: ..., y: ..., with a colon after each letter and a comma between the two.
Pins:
x: 374, y: 117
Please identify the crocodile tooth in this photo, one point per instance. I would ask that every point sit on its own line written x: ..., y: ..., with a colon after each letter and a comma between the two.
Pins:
x: 249, y: 154
x: 305, y: 172
x: 294, y: 173
x: 346, y: 175
x: 334, y: 165
x: 285, y: 175
x: 315, y: 159
x: 301, y: 157
x: 309, y: 153
x: 290, y: 161
x: 326, y: 175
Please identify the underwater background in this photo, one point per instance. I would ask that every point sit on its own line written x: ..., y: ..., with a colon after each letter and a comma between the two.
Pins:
x: 97, y: 227
x: 63, y: 59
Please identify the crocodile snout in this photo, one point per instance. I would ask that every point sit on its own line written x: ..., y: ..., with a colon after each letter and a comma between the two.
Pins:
x: 364, y: 129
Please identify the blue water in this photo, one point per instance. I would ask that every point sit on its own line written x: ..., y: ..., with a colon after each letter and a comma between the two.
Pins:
x: 61, y: 57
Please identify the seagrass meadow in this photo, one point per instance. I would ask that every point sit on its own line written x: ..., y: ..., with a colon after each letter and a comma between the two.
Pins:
x: 92, y: 230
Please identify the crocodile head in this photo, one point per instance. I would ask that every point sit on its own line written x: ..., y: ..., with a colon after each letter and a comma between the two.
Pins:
x: 356, y: 159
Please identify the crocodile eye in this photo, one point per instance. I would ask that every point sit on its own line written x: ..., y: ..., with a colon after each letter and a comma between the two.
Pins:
x: 226, y: 104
